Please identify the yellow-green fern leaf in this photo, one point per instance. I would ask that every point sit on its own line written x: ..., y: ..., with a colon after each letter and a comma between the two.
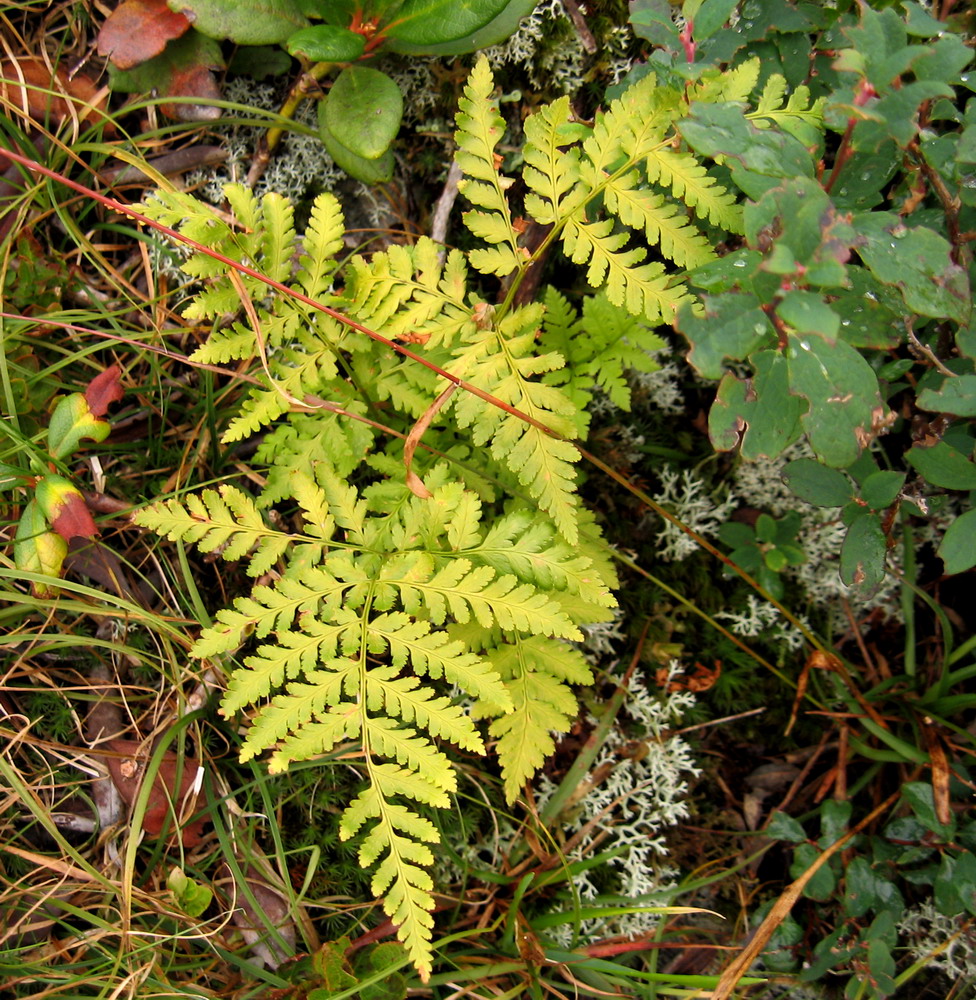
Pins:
x: 226, y: 521
x: 479, y: 129
x: 691, y: 183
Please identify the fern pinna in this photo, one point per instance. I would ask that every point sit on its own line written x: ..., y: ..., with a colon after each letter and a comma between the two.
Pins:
x: 401, y: 610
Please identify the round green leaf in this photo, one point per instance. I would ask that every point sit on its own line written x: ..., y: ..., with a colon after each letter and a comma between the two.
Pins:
x: 376, y: 171
x: 957, y: 396
x: 364, y: 106
x: 817, y: 484
x: 958, y: 548
x: 326, y: 43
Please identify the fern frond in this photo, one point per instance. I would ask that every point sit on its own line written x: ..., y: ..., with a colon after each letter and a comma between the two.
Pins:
x: 407, y: 292
x: 225, y: 521
x: 467, y: 590
x: 661, y: 222
x: 797, y: 116
x: 535, y: 670
x: 479, y: 129
x: 295, y: 654
x: 550, y: 172
x: 401, y: 875
x: 436, y: 655
x: 691, y: 183
x: 501, y: 361
x: 643, y: 289
x: 524, y: 544
x: 269, y: 609
x: 285, y: 723
x: 321, y: 243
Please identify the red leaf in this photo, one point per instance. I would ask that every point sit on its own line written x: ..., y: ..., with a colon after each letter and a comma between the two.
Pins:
x: 37, y: 96
x: 137, y: 30
x: 127, y: 771
x: 74, y: 518
x: 103, y: 390
x: 194, y: 81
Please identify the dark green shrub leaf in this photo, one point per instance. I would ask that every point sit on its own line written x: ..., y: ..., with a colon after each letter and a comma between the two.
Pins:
x: 860, y: 888
x: 732, y: 326
x: 843, y: 392
x: 917, y: 262
x: 943, y: 466
x: 822, y: 885
x: 945, y: 889
x: 736, y: 535
x: 247, y: 22
x: 760, y: 411
x: 365, y: 107
x: 712, y: 14
x: 882, y: 967
x: 918, y: 794
x: 814, y: 482
x: 834, y: 818
x: 881, y: 489
x: 784, y: 827
x: 651, y: 19
x: 957, y: 549
x: 808, y: 313
x: 807, y: 233
x: 957, y: 396
x: 862, y: 556
x: 326, y: 43
x: 723, y: 130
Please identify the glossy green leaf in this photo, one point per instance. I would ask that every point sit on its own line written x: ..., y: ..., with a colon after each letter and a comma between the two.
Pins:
x: 823, y: 883
x: 916, y: 262
x: 808, y: 313
x: 843, y: 393
x: 653, y: 20
x: 377, y: 171
x: 782, y: 826
x: 957, y: 396
x: 365, y: 108
x: 71, y: 423
x: 803, y: 233
x: 421, y: 25
x: 862, y: 555
x: 942, y: 465
x: 957, y: 550
x: 860, y: 888
x: 326, y: 43
x: 246, y: 22
x: 711, y: 16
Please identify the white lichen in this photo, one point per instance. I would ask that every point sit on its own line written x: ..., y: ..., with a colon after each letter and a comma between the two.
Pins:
x: 692, y: 501
x: 943, y: 942
x: 644, y: 791
x: 761, y: 618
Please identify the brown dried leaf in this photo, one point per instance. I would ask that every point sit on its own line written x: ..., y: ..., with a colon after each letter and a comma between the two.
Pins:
x: 127, y: 770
